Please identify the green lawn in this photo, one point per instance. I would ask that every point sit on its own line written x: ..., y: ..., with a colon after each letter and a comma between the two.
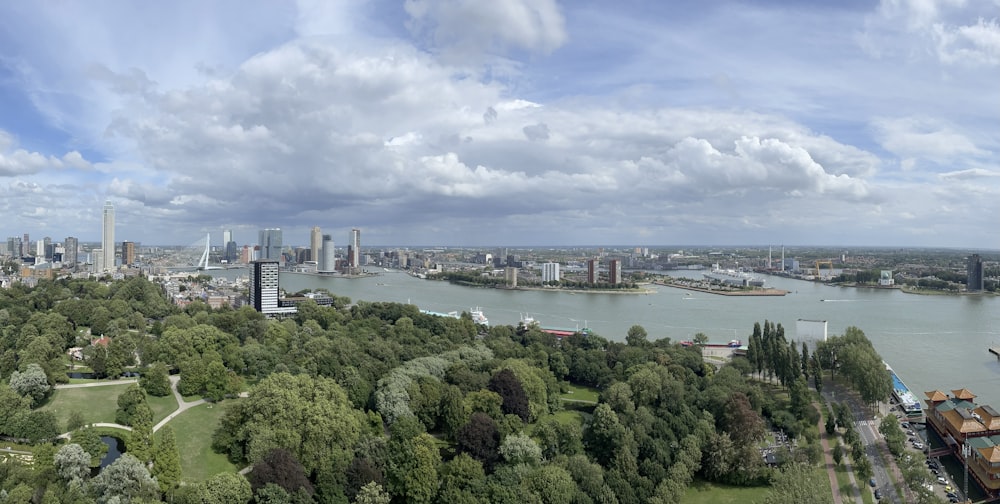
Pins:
x: 97, y: 404
x: 194, y: 429
x: 161, y: 406
x: 581, y: 393
x: 703, y: 492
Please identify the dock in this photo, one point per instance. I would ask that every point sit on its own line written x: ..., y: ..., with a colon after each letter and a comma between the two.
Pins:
x: 995, y: 351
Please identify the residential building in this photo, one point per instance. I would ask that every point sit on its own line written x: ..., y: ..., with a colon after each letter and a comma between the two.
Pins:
x: 615, y: 271
x: 550, y: 272
x: 354, y: 251
x: 108, y: 237
x: 328, y: 257
x: 510, y: 275
x: 264, y: 288
x: 128, y: 253
x: 960, y: 422
x: 71, y: 248
x: 592, y: 271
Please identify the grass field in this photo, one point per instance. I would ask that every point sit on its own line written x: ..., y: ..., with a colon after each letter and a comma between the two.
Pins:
x: 703, y: 492
x: 581, y: 393
x: 97, y: 404
x: 194, y: 429
x: 161, y: 406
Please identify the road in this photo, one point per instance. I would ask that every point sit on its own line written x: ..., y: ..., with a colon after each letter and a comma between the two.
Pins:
x: 866, y: 423
x: 103, y: 383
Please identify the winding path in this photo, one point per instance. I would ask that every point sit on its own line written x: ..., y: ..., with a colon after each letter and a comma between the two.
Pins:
x: 182, y: 405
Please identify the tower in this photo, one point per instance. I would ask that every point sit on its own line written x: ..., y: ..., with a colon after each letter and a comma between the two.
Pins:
x: 108, y: 237
x: 328, y: 258
x: 264, y: 289
x: 974, y: 282
x: 128, y: 253
x: 615, y: 271
x: 591, y: 271
x: 315, y: 244
x: 270, y: 244
x: 354, y: 250
x: 71, y: 245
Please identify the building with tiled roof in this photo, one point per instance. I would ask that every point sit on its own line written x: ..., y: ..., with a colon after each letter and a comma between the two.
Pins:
x: 960, y: 421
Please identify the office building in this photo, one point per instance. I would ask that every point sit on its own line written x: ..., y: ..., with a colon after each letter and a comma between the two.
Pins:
x: 25, y: 249
x: 550, y: 272
x: 128, y: 253
x: 230, y: 253
x: 315, y: 244
x: 71, y: 246
x: 264, y: 289
x: 14, y: 246
x: 108, y: 238
x: 615, y: 271
x: 328, y: 257
x: 592, y: 271
x: 270, y: 244
x: 974, y: 282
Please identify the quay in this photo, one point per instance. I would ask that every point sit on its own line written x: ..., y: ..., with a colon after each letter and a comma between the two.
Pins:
x: 723, y: 291
x: 995, y: 351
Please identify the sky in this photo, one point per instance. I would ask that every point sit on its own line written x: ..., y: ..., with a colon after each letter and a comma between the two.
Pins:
x: 511, y: 123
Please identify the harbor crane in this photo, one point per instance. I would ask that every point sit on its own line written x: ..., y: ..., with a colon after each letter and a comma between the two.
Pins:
x: 820, y: 262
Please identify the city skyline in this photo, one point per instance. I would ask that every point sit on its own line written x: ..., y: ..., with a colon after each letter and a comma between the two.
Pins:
x: 526, y: 123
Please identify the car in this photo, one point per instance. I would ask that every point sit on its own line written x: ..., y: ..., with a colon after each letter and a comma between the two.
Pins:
x: 878, y: 495
x: 951, y: 495
x: 953, y: 499
x: 935, y: 472
x: 942, y: 481
x: 872, y: 482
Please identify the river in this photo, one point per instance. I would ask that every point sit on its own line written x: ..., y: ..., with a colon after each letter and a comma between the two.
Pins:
x: 932, y: 342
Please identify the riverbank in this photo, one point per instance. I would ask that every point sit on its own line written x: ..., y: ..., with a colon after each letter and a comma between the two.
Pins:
x: 708, y: 288
x: 584, y: 291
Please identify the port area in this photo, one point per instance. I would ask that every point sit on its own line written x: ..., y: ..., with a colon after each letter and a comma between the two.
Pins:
x: 717, y: 288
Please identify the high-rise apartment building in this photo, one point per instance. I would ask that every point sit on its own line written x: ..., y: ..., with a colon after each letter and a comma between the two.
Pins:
x: 975, y: 281
x: 315, y: 244
x: 354, y: 251
x: 510, y: 277
x: 71, y: 247
x: 592, y: 271
x: 615, y: 271
x: 328, y: 258
x: 25, y: 249
x: 108, y: 237
x: 128, y: 253
x: 14, y: 246
x: 264, y: 288
x: 550, y: 272
x: 270, y: 244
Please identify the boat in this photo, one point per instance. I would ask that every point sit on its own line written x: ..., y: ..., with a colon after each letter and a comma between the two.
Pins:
x: 738, y: 278
x: 478, y: 317
x: 451, y: 314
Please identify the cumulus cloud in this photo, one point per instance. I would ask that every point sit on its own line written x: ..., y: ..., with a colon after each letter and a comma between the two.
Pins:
x: 468, y: 30
x: 917, y: 137
x: 15, y: 161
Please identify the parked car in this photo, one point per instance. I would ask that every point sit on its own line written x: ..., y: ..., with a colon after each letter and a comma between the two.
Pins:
x: 878, y: 495
x: 872, y: 482
x: 942, y: 481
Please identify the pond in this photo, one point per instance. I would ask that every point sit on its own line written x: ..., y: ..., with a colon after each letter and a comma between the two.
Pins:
x: 115, y: 449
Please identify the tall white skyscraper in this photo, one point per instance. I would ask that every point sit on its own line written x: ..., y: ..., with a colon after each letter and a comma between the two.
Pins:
x: 550, y: 272
x: 328, y: 259
x: 354, y: 251
x: 108, y: 236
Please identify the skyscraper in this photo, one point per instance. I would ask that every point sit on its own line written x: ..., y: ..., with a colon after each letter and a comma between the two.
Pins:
x: 128, y: 253
x: 354, y: 250
x: 975, y: 281
x: 71, y: 246
x: 550, y: 272
x: 264, y: 288
x: 315, y: 244
x: 328, y: 258
x: 108, y: 236
x: 592, y: 271
x: 615, y: 271
x: 270, y: 244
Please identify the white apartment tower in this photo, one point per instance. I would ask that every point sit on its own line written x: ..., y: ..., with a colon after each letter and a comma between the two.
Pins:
x: 108, y: 238
x: 550, y: 272
x: 328, y: 260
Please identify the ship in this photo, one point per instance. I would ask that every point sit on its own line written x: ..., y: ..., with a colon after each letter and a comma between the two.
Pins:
x: 738, y: 278
x: 478, y: 317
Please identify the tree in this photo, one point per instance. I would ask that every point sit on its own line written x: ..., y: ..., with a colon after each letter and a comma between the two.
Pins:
x: 225, y: 488
x: 605, y: 435
x: 700, y: 339
x: 126, y: 480
x: 90, y: 441
x: 280, y: 467
x: 636, y: 336
x: 156, y: 380
x: 372, y: 493
x: 479, y: 438
x: 413, y: 468
x: 515, y: 400
x: 71, y: 462
x: 31, y: 383
x: 838, y: 453
x: 519, y: 448
x: 167, y: 460
x: 128, y: 402
x: 75, y: 421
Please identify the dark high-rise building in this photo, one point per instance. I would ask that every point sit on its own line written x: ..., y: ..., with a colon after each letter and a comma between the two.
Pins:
x: 128, y: 253
x: 974, y: 283
x: 615, y: 271
x: 592, y: 271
